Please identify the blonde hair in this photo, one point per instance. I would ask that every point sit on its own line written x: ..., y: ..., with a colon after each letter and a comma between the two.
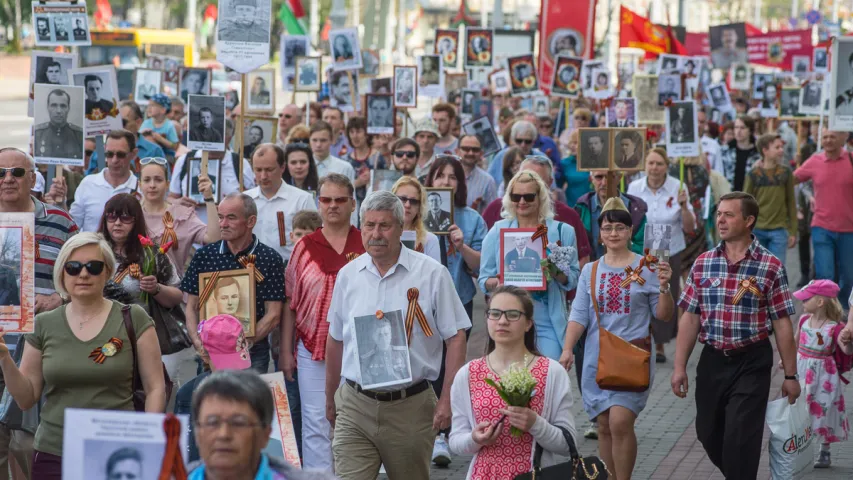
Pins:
x: 80, y: 240
x: 418, y: 221
x: 299, y: 131
x: 546, y: 206
x: 832, y: 308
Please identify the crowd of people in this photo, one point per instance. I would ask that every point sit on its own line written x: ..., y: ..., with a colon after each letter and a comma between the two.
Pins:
x: 337, y: 252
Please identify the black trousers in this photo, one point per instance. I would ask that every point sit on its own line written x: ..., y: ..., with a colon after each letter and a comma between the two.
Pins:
x: 731, y: 400
x: 804, y: 246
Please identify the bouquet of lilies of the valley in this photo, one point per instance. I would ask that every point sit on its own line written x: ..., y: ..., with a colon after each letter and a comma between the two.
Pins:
x: 149, y: 261
x: 559, y: 260
x: 516, y: 386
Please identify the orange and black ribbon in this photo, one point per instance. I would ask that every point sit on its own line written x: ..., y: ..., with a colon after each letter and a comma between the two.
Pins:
x: 541, y: 232
x: 109, y: 349
x: 246, y: 261
x: 352, y: 256
x: 132, y: 270
x: 173, y: 461
x: 169, y: 234
x: 668, y: 102
x: 414, y: 310
x: 748, y: 285
x: 208, y: 289
x: 649, y: 261
x: 419, y: 248
x: 632, y: 276
x: 282, y: 233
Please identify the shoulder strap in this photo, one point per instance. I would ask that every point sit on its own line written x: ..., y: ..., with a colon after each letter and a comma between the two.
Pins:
x: 573, y: 450
x: 803, y: 320
x: 131, y: 334
x: 592, y: 278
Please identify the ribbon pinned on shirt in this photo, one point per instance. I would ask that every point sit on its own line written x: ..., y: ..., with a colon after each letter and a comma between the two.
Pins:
x: 169, y: 234
x: 132, y: 270
x: 413, y: 311
x: 748, y: 285
x: 633, y: 276
x: 541, y: 232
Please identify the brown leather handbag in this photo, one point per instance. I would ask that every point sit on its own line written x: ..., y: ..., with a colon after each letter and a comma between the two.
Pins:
x: 622, y: 365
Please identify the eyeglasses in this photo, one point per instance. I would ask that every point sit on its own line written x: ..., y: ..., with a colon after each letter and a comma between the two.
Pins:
x: 94, y: 267
x: 528, y: 197
x: 157, y: 160
x: 124, y: 218
x: 336, y: 200
x: 120, y: 155
x: 511, y: 315
x: 286, y: 115
x: 524, y: 141
x: 401, y: 154
x: 89, y: 153
x: 17, y: 172
x: 614, y: 228
x: 470, y: 149
x: 411, y: 201
x: 236, y: 423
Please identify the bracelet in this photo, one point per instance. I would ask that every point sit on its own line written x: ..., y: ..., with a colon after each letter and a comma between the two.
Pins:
x: 209, y: 200
x: 157, y: 292
x: 792, y: 377
x: 663, y: 290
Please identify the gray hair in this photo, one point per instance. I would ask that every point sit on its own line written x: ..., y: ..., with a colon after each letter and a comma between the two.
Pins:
x: 82, y: 239
x: 31, y: 164
x: 244, y: 386
x: 383, y: 201
x: 249, y: 206
x: 541, y: 161
x: 177, y: 100
x: 522, y: 127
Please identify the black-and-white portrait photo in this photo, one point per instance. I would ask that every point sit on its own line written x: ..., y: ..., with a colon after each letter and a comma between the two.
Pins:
x: 380, y: 113
x: 759, y: 81
x: 101, y: 106
x: 692, y: 66
x: 206, y: 123
x: 682, y: 136
x: 49, y: 68
x: 244, y: 21
x: 728, y: 45
x: 841, y: 87
x: 566, y: 82
x: 483, y: 108
x: 42, y: 27
x: 343, y: 89
x: 261, y: 90
x: 380, y: 85
x: 454, y: 83
x: 405, y: 87
x: 484, y: 131
x: 669, y: 64
x: 430, y: 79
x: 646, y: 92
x: 147, y: 82
x: 800, y: 65
x: 593, y: 149
x: 499, y: 82
x: 439, y: 211
x: 522, y: 73
x: 565, y: 41
x: 820, y: 60
x: 628, y: 149
x: 308, y: 74
x: 622, y: 113
x: 60, y: 28
x: 810, y: 98
x: 194, y: 81
x: 258, y: 130
x: 669, y: 89
x: 60, y: 24
x: 739, y: 76
x: 657, y: 240
x: 81, y: 29
x: 478, y: 47
x: 214, y: 170
x: 468, y: 97
x: 11, y: 239
x: 769, y: 102
x: 58, y: 130
x: 541, y: 106
x: 113, y: 460
x: 232, y: 99
x: 586, y: 73
x: 370, y: 63
x: 292, y: 46
x: 345, y: 49
x: 384, y: 180
x: 446, y: 45
x: 383, y: 352
x: 719, y: 95
x: 789, y: 102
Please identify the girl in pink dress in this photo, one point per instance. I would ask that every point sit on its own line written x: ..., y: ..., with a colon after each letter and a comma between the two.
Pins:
x: 482, y: 420
x: 819, y: 329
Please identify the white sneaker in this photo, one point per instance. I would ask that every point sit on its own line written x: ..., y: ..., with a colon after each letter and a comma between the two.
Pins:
x: 440, y: 451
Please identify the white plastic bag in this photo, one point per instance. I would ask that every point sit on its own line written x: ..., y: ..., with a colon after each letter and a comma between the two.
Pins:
x: 791, y: 454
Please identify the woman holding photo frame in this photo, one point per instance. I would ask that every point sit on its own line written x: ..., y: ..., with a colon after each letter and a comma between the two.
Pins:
x: 413, y: 195
x: 527, y: 204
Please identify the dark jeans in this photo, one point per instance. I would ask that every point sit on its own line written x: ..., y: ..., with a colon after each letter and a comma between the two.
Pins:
x: 438, y: 384
x: 46, y: 466
x: 805, y: 247
x: 260, y: 356
x: 731, y: 400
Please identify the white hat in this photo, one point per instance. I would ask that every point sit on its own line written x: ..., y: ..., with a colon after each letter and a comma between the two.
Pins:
x: 39, y: 188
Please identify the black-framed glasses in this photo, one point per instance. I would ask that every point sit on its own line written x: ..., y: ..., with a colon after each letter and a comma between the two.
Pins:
x: 17, y: 172
x: 119, y: 155
x: 401, y: 154
x: 411, y: 201
x: 495, y: 314
x: 517, y: 197
x: 123, y: 218
x: 94, y: 267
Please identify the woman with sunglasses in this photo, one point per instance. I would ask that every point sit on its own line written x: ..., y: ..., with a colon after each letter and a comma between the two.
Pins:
x: 482, y: 421
x: 301, y: 169
x: 413, y: 195
x: 178, y: 222
x: 298, y: 134
x: 61, y: 361
x: 623, y: 303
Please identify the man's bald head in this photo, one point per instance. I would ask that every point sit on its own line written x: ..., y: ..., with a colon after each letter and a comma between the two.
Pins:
x: 12, y: 154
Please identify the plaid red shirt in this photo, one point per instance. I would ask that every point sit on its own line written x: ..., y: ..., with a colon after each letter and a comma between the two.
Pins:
x: 713, y: 284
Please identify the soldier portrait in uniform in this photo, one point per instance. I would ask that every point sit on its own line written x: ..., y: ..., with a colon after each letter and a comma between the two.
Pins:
x: 719, y: 95
x: 258, y: 130
x: 820, y: 63
x: 439, y: 215
x: 383, y: 352
x: 789, y: 104
x: 345, y: 50
x: 97, y: 92
x: 343, y: 89
x: 261, y: 90
x: 522, y: 74
x: 810, y: 96
x: 380, y: 113
x: 206, y: 123
x: 193, y: 81
x: 49, y: 68
x: 60, y: 28
x: 232, y: 294
x: 244, y: 21
x: 43, y: 29
x: 99, y: 83
x: 307, y: 74
x: 58, y: 118
x: 682, y: 136
x: 657, y: 238
x: 478, y: 47
x: 292, y: 46
x: 405, y: 88
x: 728, y: 45
x: 669, y: 88
x: 429, y: 76
x: 80, y: 31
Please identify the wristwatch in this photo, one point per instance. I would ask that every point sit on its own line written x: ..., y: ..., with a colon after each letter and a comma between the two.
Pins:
x: 210, y: 200
x: 792, y: 377
x: 664, y: 290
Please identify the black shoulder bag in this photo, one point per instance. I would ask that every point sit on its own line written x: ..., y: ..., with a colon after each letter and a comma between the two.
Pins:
x: 578, y: 468
x: 138, y: 388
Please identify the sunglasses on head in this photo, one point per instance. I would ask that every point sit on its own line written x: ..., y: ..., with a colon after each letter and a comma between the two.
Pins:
x: 120, y: 155
x: 528, y: 197
x: 157, y: 160
x: 336, y: 200
x: 123, y: 218
x: 401, y: 154
x: 17, y: 172
x: 94, y: 267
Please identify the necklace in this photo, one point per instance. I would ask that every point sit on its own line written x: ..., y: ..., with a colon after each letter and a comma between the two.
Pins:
x: 89, y: 319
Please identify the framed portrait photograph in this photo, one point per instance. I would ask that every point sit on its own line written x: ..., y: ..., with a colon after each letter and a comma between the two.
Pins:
x: 383, y: 351
x: 282, y: 442
x: 370, y: 63
x: 522, y: 73
x: 214, y: 172
x: 206, y: 123
x: 455, y: 82
x: 586, y: 74
x: 567, y: 80
x: 789, y: 103
x: 521, y: 259
x: 383, y: 180
x: 693, y: 66
x: 194, y: 81
x: 469, y: 95
x: 682, y: 134
x: 602, y: 87
x: 820, y: 60
x: 261, y: 91
x: 290, y: 48
x: 759, y: 81
x: 668, y: 63
x: 669, y: 88
x: 232, y: 99
x: 656, y: 240
x: 147, y: 82
x: 439, y: 215
x: 171, y: 70
x: 622, y: 113
x: 769, y: 106
x: 231, y: 292
x: 483, y: 109
x: 446, y: 45
x: 728, y: 45
x: 116, y: 444
x: 101, y: 105
x: 430, y: 79
x: 800, y: 65
x: 499, y: 82
x: 841, y: 85
x: 380, y: 113
x: 811, y: 96
x: 478, y: 47
x: 646, y: 92
x: 257, y: 129
x: 345, y: 49
x: 243, y: 34
x: 484, y: 131
x: 629, y: 150
x: 719, y: 95
x: 343, y: 90
x: 380, y: 85
x: 17, y: 272
x: 308, y: 71
x: 61, y: 24
x: 405, y: 87
x: 593, y: 149
x: 739, y: 76
x: 58, y: 125
x: 49, y: 68
x: 541, y: 106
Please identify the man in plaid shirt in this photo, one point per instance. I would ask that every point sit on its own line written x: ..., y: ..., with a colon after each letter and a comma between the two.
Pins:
x: 736, y: 296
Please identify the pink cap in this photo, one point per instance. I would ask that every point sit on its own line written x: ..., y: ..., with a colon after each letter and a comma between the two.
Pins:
x: 824, y: 288
x: 222, y: 337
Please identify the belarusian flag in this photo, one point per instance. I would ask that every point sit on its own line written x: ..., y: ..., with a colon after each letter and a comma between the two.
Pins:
x: 292, y: 15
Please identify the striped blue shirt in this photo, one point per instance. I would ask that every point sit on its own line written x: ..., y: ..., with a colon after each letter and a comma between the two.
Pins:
x: 482, y: 189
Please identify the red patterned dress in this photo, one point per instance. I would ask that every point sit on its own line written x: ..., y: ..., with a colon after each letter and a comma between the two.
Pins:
x: 509, y: 456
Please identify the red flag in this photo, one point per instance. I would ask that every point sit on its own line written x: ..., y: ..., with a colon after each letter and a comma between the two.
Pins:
x: 103, y: 13
x: 565, y: 28
x: 638, y: 32
x: 675, y: 46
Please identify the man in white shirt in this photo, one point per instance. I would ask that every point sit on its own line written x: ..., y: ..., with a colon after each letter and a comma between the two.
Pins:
x: 321, y: 144
x: 94, y: 191
x: 375, y: 288
x: 710, y: 147
x: 426, y: 134
x: 277, y: 201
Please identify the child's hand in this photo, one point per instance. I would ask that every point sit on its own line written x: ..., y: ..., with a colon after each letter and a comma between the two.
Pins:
x: 845, y: 341
x: 781, y: 367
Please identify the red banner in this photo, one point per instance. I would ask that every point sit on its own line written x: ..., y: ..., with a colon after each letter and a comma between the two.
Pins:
x: 772, y: 49
x: 564, y: 29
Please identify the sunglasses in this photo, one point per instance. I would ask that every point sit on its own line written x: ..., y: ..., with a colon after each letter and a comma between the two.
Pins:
x: 94, y: 267
x: 124, y: 218
x: 287, y: 116
x: 470, y: 149
x: 528, y: 197
x: 401, y: 154
x: 157, y: 160
x: 17, y: 172
x: 119, y: 155
x: 524, y: 141
x: 412, y: 201
x: 89, y: 153
x: 336, y: 200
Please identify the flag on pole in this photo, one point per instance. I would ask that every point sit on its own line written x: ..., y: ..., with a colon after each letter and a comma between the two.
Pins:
x: 638, y: 32
x: 103, y: 13
x: 292, y: 15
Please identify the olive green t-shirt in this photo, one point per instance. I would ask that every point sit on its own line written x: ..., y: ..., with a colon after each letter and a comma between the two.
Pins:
x: 72, y: 379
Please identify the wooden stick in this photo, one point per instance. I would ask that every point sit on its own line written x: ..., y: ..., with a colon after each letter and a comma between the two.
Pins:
x: 204, y: 163
x: 244, y: 87
x: 612, y: 187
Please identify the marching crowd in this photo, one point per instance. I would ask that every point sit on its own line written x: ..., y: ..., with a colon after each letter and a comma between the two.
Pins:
x: 326, y: 249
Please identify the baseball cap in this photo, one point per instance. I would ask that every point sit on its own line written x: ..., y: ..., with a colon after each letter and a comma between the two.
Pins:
x: 824, y: 288
x: 222, y: 337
